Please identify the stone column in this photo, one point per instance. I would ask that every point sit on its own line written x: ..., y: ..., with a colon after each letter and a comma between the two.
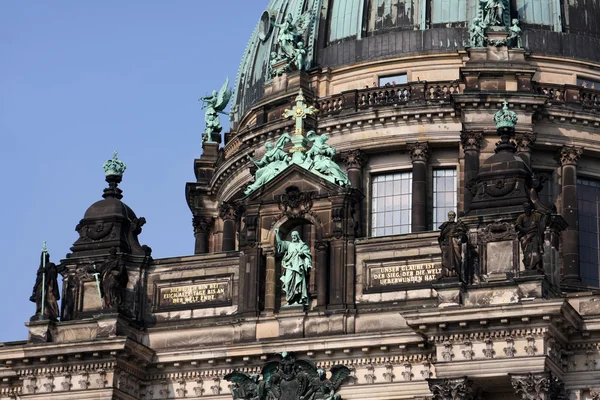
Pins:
x: 270, y: 276
x: 228, y: 213
x: 569, y: 156
x: 355, y: 160
x: 452, y: 388
x: 471, y: 143
x: 524, y: 142
x: 322, y: 249
x: 419, y: 153
x: 538, y: 386
x: 202, y: 227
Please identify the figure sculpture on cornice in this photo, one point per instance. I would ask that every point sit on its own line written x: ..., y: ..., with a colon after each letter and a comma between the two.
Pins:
x: 530, y: 226
x: 493, y: 12
x: 215, y: 103
x: 296, y: 264
x: 477, y: 33
x: 319, y: 158
x: 45, y: 291
x: 514, y: 35
x: 272, y: 163
x: 453, y: 234
x: 291, y: 49
x: 114, y: 279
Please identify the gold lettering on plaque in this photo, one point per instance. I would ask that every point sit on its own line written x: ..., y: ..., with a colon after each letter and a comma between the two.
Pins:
x: 403, y: 274
x: 195, y: 294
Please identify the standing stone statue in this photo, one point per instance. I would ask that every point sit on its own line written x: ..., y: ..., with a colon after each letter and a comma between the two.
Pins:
x: 493, y: 12
x: 114, y: 279
x: 273, y: 162
x: 296, y: 264
x: 477, y: 33
x: 530, y: 227
x: 452, y: 236
x: 514, y: 35
x: 45, y: 289
x: 215, y: 104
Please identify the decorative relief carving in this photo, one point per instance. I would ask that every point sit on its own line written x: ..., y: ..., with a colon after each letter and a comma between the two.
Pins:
x: 228, y: 211
x: 66, y: 383
x: 471, y: 141
x: 199, y: 389
x: 146, y: 391
x: 569, y: 155
x: 31, y: 386
x: 164, y: 391
x: 500, y: 187
x: 294, y: 203
x: 489, y: 352
x: 202, y: 224
x: 407, y: 375
x: 530, y: 349
x: 84, y: 382
x: 595, y: 394
x: 370, y: 376
x: 447, y: 354
x: 525, y: 141
x: 216, y: 387
x: 456, y: 389
x: 531, y: 386
x: 497, y: 232
x: 388, y: 375
x: 181, y: 390
x: 419, y: 151
x: 468, y: 352
x: 101, y: 381
x: 510, y: 350
x: 356, y: 159
x: 426, y: 371
x: 49, y: 384
x: 590, y: 362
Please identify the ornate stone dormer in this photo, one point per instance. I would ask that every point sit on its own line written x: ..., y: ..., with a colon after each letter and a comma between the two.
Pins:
x: 109, y: 222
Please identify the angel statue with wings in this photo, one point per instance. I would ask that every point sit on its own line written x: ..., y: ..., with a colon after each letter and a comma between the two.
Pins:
x: 291, y: 50
x: 272, y: 163
x: 320, y: 159
x: 215, y: 104
x: 493, y: 12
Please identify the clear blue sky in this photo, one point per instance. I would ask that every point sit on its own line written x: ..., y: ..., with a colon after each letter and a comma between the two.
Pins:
x: 79, y: 79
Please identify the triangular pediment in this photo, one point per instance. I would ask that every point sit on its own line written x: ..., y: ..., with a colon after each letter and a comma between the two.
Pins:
x: 295, y: 175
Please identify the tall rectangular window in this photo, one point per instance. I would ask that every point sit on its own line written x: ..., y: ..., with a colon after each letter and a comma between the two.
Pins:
x: 444, y: 195
x: 391, y: 204
x: 539, y: 12
x: 446, y: 11
x: 588, y: 203
x: 345, y: 19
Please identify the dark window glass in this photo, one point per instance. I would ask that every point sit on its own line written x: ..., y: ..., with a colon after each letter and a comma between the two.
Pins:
x: 588, y: 202
x: 444, y: 195
x: 391, y: 204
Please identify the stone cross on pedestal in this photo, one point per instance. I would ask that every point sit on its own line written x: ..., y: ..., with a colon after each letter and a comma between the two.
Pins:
x: 299, y: 113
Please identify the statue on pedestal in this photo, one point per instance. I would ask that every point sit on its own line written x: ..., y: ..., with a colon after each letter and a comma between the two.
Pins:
x: 514, y: 35
x: 45, y: 291
x: 493, y: 12
x: 273, y: 162
x: 296, y: 264
x: 215, y: 104
x: 477, y: 33
x: 291, y: 50
x: 114, y: 279
x: 530, y: 226
x: 452, y: 236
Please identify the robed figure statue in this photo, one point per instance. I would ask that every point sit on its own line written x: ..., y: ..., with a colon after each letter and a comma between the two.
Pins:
x: 114, y: 279
x: 530, y: 227
x: 452, y: 236
x: 296, y: 264
x: 45, y: 290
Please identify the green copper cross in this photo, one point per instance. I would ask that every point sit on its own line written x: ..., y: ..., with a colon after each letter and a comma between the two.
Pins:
x: 299, y: 113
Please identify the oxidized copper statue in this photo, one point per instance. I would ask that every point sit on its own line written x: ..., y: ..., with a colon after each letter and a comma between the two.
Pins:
x: 45, y: 291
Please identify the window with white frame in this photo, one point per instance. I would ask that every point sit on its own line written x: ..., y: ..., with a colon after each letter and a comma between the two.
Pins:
x: 444, y: 195
x: 391, y: 204
x: 588, y: 203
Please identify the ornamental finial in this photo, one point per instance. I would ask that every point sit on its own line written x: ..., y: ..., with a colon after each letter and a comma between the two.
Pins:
x: 505, y: 118
x: 114, y: 166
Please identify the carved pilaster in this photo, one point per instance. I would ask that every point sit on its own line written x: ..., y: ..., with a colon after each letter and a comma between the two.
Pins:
x: 202, y: 227
x: 538, y: 386
x: 471, y: 141
x: 419, y: 151
x: 228, y: 213
x: 525, y: 142
x: 569, y: 155
x: 455, y: 388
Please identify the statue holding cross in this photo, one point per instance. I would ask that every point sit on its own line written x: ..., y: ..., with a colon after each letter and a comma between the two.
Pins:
x: 299, y: 112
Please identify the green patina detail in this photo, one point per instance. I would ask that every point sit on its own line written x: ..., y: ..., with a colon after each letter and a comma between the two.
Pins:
x: 291, y: 50
x: 494, y: 16
x: 296, y: 264
x: 318, y: 159
x: 114, y: 166
x: 215, y: 103
x: 505, y: 118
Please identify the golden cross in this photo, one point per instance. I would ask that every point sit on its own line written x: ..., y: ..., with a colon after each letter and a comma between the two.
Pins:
x: 299, y: 112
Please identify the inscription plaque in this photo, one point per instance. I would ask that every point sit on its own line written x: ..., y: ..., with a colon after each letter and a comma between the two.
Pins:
x: 380, y: 276
x: 207, y: 292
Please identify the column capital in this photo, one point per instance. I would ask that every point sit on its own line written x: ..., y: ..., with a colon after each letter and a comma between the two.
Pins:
x: 228, y: 211
x: 471, y: 140
x: 537, y: 386
x: 355, y: 158
x: 321, y: 245
x: 202, y: 224
x: 452, y: 388
x: 419, y: 151
x: 525, y: 141
x: 569, y: 155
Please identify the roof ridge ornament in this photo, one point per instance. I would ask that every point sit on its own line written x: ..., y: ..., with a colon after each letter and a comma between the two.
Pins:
x: 299, y: 112
x: 114, y: 166
x: 113, y: 171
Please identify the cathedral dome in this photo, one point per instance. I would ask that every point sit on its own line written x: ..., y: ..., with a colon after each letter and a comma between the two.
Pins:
x: 350, y: 32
